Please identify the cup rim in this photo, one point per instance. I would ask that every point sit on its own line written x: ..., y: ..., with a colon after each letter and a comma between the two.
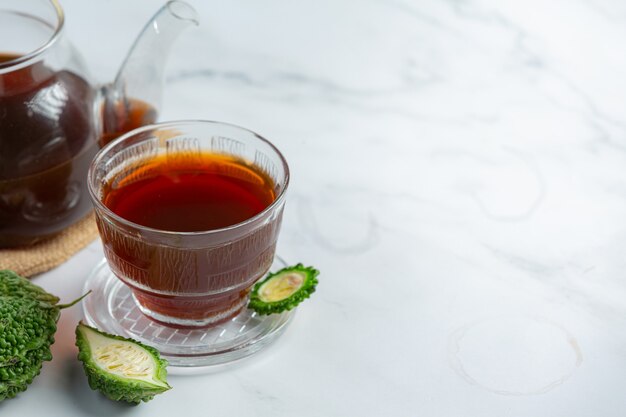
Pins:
x: 34, y: 54
x: 101, y: 206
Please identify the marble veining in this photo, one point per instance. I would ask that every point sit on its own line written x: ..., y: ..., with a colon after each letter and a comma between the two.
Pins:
x: 459, y: 178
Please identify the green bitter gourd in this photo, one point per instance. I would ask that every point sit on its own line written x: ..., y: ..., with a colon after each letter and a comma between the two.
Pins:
x: 28, y: 317
x: 122, y: 369
x: 283, y: 290
x: 11, y: 284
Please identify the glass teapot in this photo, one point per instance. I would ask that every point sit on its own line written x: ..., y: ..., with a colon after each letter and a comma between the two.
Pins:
x: 53, y: 119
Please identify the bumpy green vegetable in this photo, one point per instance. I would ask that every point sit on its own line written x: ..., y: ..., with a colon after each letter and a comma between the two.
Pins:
x: 14, y: 285
x: 284, y: 289
x: 28, y: 317
x: 122, y: 369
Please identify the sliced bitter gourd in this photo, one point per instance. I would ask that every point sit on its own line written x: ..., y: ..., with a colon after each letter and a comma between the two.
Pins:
x: 122, y: 369
x: 283, y: 290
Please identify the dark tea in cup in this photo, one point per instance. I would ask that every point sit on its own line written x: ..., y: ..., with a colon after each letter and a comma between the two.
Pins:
x: 191, y: 193
x: 189, y: 215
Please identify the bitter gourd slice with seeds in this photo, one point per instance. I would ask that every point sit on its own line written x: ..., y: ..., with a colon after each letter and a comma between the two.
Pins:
x: 122, y: 369
x: 283, y: 290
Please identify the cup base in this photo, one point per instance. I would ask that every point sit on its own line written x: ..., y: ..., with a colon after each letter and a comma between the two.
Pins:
x: 192, y: 323
x: 112, y: 308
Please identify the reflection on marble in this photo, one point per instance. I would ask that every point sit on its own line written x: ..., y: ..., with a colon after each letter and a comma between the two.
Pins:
x: 348, y: 226
x: 458, y: 176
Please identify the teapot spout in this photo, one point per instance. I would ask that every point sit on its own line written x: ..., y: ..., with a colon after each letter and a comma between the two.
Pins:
x: 134, y: 98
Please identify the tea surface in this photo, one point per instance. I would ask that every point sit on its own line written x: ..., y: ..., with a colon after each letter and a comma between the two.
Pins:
x: 191, y: 194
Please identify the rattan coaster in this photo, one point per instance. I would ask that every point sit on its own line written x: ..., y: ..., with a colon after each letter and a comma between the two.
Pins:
x: 43, y: 256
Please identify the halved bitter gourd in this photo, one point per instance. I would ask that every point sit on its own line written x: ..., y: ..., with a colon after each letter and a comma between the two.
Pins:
x: 283, y: 290
x: 122, y: 369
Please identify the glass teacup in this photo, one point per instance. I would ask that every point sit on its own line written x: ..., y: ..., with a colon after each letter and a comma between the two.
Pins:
x: 180, y: 276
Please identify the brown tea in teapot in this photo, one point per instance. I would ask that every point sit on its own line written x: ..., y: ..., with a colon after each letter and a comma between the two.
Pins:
x: 48, y: 138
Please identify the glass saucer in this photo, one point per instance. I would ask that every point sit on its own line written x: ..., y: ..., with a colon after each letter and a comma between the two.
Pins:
x: 111, y: 308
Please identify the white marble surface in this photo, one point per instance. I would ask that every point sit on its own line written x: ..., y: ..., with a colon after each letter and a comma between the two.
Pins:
x: 459, y: 177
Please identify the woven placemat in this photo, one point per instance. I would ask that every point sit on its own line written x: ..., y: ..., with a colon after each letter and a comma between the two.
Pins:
x: 43, y: 256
